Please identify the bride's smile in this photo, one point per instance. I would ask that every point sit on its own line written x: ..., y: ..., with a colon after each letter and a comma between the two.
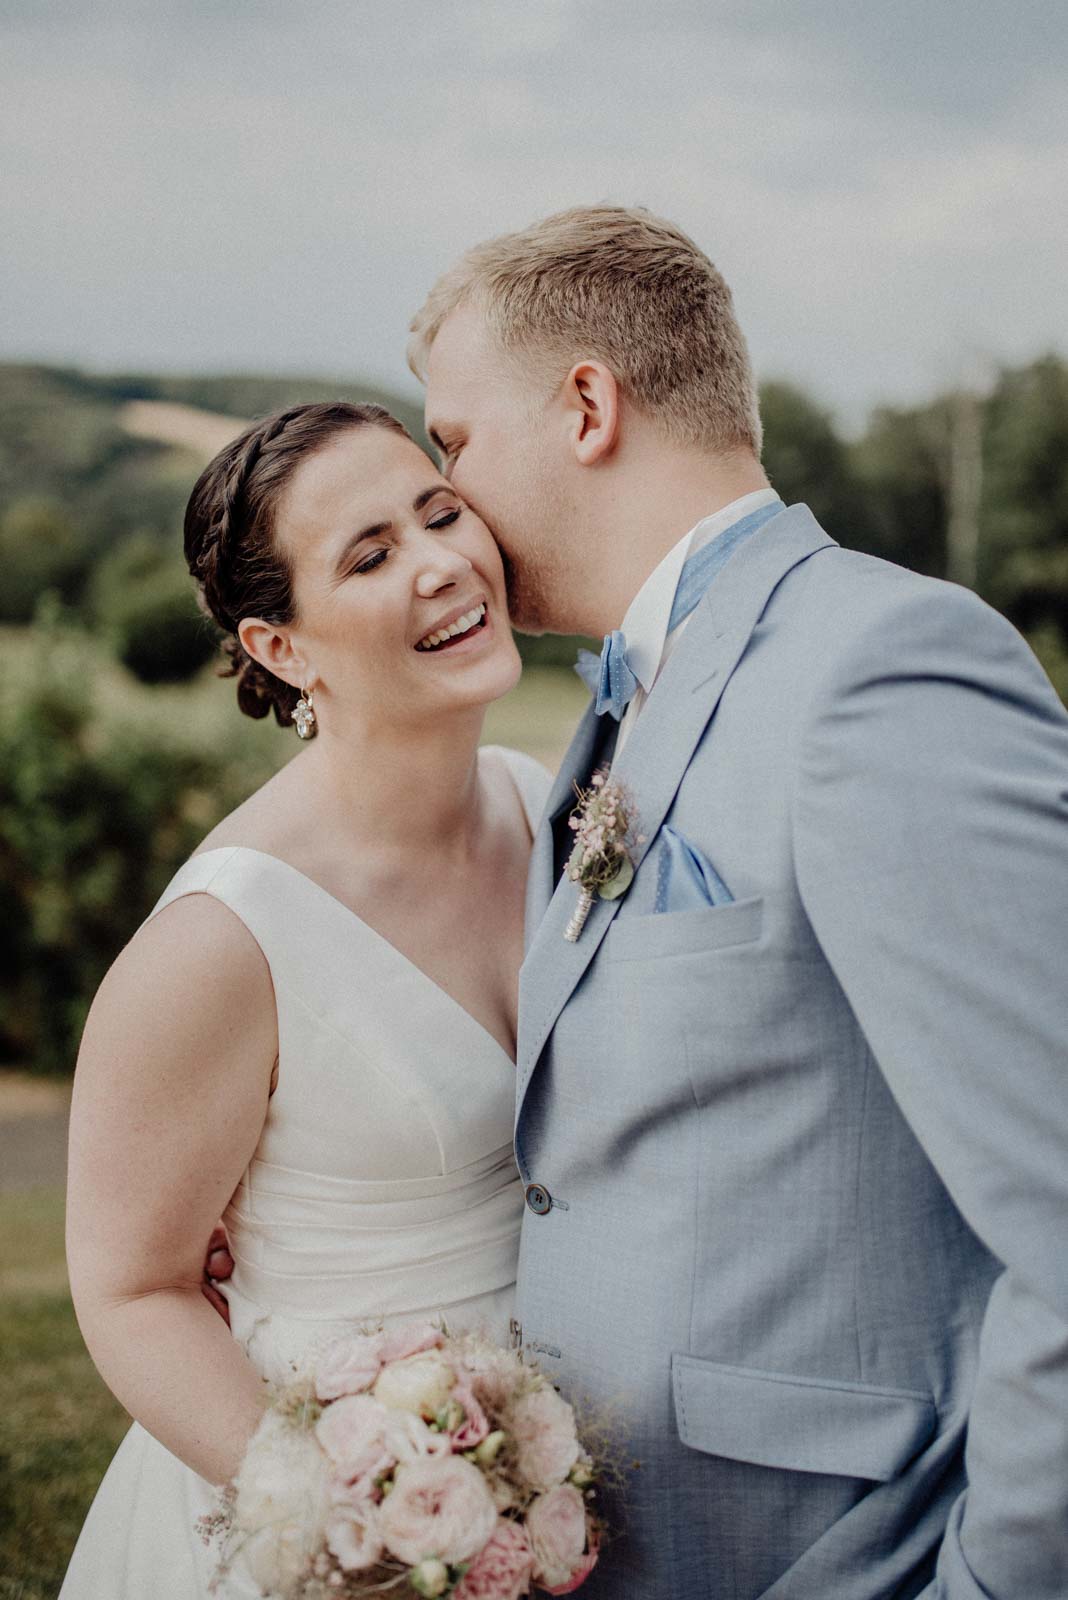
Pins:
x: 400, y: 614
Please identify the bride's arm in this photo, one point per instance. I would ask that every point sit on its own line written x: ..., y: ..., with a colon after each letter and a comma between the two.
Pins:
x: 170, y: 1096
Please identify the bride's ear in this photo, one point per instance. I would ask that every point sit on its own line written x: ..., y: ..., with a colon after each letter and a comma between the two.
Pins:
x: 272, y: 647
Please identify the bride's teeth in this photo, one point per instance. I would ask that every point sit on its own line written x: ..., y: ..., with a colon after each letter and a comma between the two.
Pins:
x: 461, y: 625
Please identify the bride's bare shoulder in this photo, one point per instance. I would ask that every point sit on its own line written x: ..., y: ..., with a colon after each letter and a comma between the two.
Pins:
x: 193, y: 975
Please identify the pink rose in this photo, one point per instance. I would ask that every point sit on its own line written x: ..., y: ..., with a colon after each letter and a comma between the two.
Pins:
x: 556, y: 1528
x: 502, y: 1568
x: 349, y: 1366
x: 410, y: 1339
x: 581, y: 1572
x: 543, y: 1428
x: 353, y: 1432
x: 352, y: 1535
x: 438, y: 1508
x: 475, y: 1426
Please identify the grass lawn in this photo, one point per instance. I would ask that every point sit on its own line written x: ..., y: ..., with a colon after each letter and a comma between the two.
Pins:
x: 59, y: 1426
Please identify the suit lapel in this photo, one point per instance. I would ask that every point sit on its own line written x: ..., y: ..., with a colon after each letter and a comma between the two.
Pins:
x: 575, y: 767
x: 653, y: 762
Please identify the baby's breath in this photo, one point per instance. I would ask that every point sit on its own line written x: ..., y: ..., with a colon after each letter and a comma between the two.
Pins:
x: 600, y: 861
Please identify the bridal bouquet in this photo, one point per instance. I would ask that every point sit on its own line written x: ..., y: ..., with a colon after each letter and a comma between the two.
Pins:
x: 411, y: 1461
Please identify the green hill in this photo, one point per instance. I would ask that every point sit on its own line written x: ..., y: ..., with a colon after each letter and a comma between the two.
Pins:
x: 62, y: 440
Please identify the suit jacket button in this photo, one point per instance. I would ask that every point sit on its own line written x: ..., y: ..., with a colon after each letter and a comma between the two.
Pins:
x: 538, y: 1199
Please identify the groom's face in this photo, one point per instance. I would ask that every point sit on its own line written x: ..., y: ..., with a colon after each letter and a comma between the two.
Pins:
x: 493, y: 428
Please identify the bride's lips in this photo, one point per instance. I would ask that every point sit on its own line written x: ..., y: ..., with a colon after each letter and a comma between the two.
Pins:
x: 463, y: 643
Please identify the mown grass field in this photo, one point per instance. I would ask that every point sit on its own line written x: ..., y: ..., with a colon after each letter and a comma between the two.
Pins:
x: 59, y: 1426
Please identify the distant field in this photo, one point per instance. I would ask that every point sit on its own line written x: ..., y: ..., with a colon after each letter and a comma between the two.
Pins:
x: 188, y: 427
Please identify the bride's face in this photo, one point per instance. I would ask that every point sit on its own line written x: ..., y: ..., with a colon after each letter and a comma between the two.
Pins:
x: 399, y: 588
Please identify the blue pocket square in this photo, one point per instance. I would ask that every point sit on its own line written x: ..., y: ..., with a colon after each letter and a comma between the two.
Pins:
x: 686, y: 879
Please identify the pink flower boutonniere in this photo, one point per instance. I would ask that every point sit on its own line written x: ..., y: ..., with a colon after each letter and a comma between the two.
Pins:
x: 600, y: 860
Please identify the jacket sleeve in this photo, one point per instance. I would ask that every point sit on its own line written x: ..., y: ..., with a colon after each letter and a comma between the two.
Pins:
x: 931, y: 839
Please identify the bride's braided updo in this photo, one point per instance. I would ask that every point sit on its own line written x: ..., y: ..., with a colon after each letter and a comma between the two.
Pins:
x: 229, y: 535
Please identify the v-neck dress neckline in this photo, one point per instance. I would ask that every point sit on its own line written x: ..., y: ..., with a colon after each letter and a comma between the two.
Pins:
x: 386, y: 946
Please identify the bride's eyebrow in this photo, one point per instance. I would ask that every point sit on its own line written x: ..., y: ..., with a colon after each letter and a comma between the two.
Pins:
x: 377, y: 528
x: 428, y: 494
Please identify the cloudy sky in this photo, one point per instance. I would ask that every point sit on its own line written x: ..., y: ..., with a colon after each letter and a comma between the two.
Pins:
x: 273, y: 184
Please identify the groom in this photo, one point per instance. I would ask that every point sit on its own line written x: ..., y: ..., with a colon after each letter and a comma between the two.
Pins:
x: 792, y: 1111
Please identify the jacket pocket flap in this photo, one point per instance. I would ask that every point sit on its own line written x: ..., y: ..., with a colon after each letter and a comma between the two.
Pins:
x: 800, y: 1424
x: 673, y: 933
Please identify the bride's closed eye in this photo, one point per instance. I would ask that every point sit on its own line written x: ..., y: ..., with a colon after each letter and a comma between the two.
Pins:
x: 372, y: 562
x: 443, y: 520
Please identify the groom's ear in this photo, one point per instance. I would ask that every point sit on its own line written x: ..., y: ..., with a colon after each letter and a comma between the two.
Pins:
x: 591, y: 400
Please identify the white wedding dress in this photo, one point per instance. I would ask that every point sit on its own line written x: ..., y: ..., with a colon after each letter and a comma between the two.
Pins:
x: 383, y: 1185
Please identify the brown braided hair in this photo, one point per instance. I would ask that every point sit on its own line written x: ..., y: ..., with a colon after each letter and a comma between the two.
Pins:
x: 229, y: 535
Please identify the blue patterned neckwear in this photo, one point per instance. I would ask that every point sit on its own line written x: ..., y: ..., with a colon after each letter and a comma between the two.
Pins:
x: 609, y: 676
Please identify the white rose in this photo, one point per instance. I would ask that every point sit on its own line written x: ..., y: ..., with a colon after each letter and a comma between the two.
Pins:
x: 352, y: 1534
x: 281, y: 1503
x: 542, y: 1425
x: 493, y: 1373
x: 422, y: 1384
x: 407, y: 1437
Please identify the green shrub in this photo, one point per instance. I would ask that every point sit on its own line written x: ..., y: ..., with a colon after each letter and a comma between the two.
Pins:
x: 142, y: 600
x: 40, y: 549
x: 98, y: 809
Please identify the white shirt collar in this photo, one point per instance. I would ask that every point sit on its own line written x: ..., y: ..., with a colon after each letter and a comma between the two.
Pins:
x: 646, y: 622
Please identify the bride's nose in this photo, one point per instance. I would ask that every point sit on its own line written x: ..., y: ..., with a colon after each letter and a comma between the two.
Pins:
x: 441, y: 569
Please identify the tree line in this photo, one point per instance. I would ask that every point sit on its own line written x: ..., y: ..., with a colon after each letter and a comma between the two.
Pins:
x: 969, y: 487
x: 111, y: 771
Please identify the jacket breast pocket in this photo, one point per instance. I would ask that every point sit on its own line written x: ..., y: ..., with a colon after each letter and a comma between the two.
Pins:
x: 799, y: 1424
x: 680, y: 933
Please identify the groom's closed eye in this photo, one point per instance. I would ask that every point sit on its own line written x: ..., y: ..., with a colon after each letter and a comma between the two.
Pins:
x: 447, y: 453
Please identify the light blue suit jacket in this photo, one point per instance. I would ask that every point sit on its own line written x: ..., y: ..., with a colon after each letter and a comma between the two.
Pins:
x: 807, y: 1152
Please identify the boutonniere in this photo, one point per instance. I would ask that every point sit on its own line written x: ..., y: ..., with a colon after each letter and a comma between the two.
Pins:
x: 600, y: 861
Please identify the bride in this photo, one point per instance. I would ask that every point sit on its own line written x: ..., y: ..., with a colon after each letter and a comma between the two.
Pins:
x: 313, y: 1032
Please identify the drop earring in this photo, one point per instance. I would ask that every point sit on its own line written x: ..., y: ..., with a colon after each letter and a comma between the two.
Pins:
x: 304, y: 716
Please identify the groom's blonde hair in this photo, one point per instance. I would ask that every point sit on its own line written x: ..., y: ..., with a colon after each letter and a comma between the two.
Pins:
x: 622, y: 286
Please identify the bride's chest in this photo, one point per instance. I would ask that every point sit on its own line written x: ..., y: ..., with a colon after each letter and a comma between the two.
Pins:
x: 468, y: 941
x: 384, y: 1073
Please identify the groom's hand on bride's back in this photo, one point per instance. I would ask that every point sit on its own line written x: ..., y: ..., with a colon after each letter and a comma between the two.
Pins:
x: 218, y: 1265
